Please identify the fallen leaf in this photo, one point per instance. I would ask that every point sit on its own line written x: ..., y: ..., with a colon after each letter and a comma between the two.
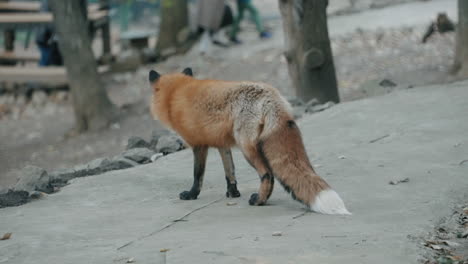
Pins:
x: 456, y: 258
x: 399, y: 181
x: 277, y: 233
x: 465, y: 210
x: 450, y: 243
x: 6, y: 236
x: 164, y: 250
x: 436, y: 247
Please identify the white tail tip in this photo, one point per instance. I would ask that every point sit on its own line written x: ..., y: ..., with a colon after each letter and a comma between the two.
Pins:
x: 329, y: 202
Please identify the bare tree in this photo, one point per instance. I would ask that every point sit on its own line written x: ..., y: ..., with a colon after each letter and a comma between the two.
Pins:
x: 308, y: 51
x: 93, y: 109
x: 174, y: 28
x: 460, y: 66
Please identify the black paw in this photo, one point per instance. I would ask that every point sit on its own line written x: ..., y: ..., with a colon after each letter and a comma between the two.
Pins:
x: 187, y: 195
x: 253, y: 199
x: 232, y: 191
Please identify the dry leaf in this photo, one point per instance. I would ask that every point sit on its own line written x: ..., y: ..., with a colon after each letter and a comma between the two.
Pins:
x: 164, y: 250
x: 6, y: 236
x: 436, y: 247
x: 450, y: 243
x: 456, y: 258
x: 277, y: 233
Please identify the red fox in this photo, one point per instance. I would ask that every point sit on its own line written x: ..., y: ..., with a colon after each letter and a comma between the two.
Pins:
x: 250, y: 115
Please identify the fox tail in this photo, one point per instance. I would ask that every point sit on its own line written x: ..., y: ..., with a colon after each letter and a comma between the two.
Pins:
x: 285, y: 155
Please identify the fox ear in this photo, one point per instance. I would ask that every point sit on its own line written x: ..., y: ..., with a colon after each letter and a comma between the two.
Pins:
x: 153, y: 76
x: 188, y: 71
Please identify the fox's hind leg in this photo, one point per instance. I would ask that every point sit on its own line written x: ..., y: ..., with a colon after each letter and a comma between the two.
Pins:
x: 228, y: 164
x: 200, y: 153
x: 267, y: 181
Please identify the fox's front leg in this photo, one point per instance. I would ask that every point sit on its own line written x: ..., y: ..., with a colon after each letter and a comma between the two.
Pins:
x: 200, y: 153
x: 228, y: 164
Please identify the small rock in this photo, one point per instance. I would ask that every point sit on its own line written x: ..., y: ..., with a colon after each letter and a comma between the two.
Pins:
x: 137, y: 142
x: 156, y: 157
x: 169, y: 144
x: 37, y: 195
x: 320, y: 107
x: 21, y: 100
x: 298, y: 111
x: 140, y: 155
x: 341, y: 157
x: 97, y: 166
x: 277, y: 233
x: 155, y: 135
x: 118, y: 163
x: 294, y: 101
x: 312, y: 102
x: 62, y: 176
x: 231, y: 203
x: 13, y: 198
x: 444, y: 260
x: 387, y: 83
x: 130, y: 260
x: 61, y: 96
x: 39, y: 98
x: 32, y: 178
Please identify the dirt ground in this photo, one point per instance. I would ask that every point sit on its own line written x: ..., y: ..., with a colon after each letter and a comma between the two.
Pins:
x: 34, y: 135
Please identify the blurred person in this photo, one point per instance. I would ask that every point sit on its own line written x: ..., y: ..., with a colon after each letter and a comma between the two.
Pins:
x: 46, y: 40
x: 442, y: 25
x: 213, y: 15
x: 242, y: 6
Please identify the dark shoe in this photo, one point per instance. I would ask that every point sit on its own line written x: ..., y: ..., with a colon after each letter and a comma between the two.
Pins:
x: 235, y: 40
x: 265, y: 35
x: 219, y: 43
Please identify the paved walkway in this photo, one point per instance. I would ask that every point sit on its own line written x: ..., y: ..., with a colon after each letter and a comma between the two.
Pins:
x: 358, y: 147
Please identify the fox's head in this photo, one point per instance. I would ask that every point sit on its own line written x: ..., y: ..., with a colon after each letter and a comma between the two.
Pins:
x: 157, y: 80
x: 163, y: 84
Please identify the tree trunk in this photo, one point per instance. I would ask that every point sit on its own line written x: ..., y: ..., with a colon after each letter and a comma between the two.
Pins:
x: 308, y: 51
x: 174, y: 28
x: 93, y: 109
x: 460, y: 66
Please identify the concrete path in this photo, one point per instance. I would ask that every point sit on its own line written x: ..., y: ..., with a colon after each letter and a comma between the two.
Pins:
x: 358, y: 147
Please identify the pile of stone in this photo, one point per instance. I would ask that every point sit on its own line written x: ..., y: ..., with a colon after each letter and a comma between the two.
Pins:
x: 35, y: 182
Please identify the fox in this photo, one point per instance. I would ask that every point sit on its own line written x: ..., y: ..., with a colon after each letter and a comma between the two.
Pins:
x: 252, y: 116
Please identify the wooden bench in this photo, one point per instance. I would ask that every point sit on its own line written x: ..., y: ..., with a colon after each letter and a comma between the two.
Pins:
x: 45, y: 75
x: 19, y: 56
x: 32, y: 6
x: 26, y: 6
x: 30, y: 20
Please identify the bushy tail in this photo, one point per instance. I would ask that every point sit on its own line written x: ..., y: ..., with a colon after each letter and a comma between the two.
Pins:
x: 284, y: 153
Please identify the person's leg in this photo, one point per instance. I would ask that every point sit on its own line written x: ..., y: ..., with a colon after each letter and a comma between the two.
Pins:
x: 255, y: 16
x: 235, y: 26
x: 257, y: 19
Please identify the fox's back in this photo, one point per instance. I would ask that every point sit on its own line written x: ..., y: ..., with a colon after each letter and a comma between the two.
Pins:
x: 205, y: 112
